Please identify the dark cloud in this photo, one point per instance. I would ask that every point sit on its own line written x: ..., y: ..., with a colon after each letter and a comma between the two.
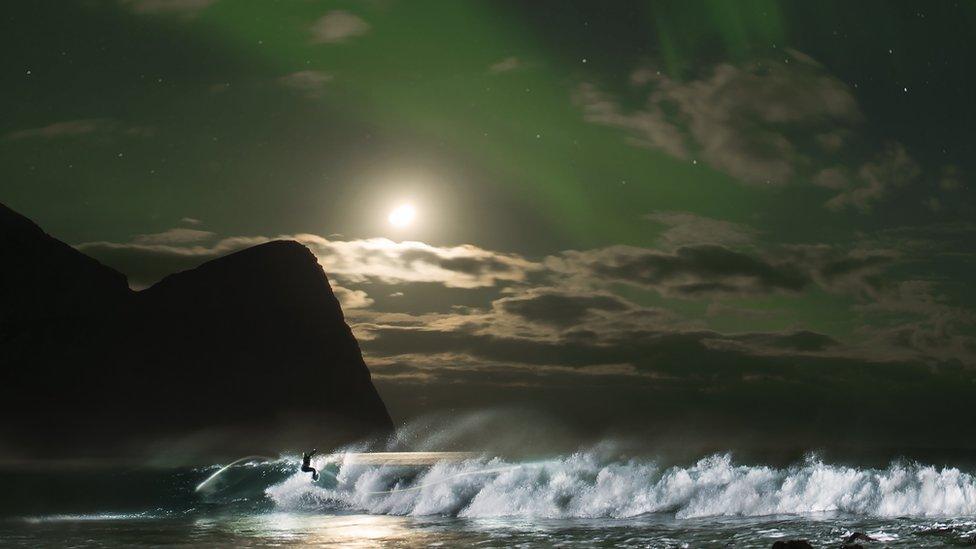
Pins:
x: 796, y: 384
x: 470, y: 265
x: 857, y: 272
x: 689, y: 271
x: 606, y: 366
x: 559, y: 309
x: 801, y: 341
x: 668, y: 354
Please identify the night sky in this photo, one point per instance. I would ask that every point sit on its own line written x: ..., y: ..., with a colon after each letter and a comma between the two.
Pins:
x: 688, y: 216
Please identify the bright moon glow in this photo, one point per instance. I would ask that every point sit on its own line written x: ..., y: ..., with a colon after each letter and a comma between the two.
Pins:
x: 402, y: 215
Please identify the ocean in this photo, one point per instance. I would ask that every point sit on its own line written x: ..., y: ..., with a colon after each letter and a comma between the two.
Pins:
x: 583, y: 499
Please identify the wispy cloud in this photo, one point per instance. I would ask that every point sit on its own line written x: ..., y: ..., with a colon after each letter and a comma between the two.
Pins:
x: 309, y: 82
x: 376, y: 259
x: 338, y: 26
x: 506, y: 65
x: 172, y: 236
x: 350, y: 299
x: 186, y: 7
x: 772, y: 122
x: 81, y: 127
x: 66, y: 128
x: 684, y: 228
x: 877, y: 177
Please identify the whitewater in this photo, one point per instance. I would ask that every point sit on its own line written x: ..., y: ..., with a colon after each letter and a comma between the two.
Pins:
x: 591, y: 497
x: 590, y: 485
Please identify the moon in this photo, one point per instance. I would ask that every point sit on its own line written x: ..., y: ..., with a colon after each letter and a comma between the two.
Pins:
x: 402, y: 216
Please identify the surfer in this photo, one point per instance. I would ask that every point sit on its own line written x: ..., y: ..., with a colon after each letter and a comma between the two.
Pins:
x: 306, y: 464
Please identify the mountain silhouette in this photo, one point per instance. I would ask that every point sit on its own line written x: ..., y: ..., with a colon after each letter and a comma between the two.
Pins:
x: 249, y: 352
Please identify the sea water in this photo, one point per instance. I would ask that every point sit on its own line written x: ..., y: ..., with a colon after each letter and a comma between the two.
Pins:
x: 586, y: 499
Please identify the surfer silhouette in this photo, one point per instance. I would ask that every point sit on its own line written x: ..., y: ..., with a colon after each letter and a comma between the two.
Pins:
x: 306, y: 464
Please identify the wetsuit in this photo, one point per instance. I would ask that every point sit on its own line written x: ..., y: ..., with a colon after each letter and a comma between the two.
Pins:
x: 306, y: 464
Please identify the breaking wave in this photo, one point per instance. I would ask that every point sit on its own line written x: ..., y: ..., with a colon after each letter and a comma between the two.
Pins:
x: 588, y: 485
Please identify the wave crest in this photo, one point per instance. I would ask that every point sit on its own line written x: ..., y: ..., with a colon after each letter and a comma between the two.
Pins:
x: 584, y: 485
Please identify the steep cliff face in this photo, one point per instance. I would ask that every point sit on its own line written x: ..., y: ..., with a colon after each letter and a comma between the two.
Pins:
x: 250, y: 350
x: 261, y: 335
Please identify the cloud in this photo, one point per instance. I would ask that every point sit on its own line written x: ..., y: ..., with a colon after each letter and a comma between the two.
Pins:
x: 566, y: 309
x: 691, y: 271
x: 168, y: 6
x: 857, y: 272
x: 647, y: 128
x: 520, y: 329
x: 464, y: 266
x: 599, y: 333
x: 173, y: 236
x: 648, y: 381
x: 80, y: 127
x: 687, y: 271
x: 802, y: 341
x: 952, y: 178
x: 351, y: 299
x: 685, y: 228
x: 768, y: 122
x: 924, y: 242
x: 914, y: 321
x: 67, y: 128
x: 505, y: 65
x: 737, y: 119
x: 891, y: 169
x: 711, y: 271
x: 150, y: 257
x: 560, y: 309
x: 835, y: 177
x: 309, y: 82
x: 147, y: 263
x: 338, y: 26
x: 537, y: 336
x: 665, y: 354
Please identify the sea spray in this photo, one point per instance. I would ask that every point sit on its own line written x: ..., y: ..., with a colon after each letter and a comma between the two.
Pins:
x: 590, y: 485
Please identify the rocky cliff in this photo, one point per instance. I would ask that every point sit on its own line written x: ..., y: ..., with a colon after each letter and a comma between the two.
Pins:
x: 249, y: 352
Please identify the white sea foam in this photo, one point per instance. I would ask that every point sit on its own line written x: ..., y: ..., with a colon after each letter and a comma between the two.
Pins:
x: 96, y: 517
x: 587, y: 485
